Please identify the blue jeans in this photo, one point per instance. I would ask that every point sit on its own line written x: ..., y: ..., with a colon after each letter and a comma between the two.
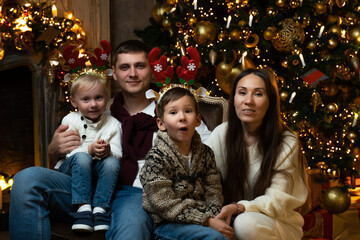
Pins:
x: 83, y: 170
x: 39, y: 193
x: 129, y: 220
x: 180, y: 231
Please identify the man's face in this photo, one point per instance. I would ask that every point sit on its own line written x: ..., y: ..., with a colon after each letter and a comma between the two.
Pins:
x: 133, y: 73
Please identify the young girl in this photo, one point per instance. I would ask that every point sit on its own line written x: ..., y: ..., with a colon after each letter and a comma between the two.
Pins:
x: 260, y: 162
x: 97, y: 156
x: 181, y: 182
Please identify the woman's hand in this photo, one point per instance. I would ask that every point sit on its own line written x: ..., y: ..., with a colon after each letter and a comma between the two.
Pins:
x: 221, y: 226
x: 227, y: 212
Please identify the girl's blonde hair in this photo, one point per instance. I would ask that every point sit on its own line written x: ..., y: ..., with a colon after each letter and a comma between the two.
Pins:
x: 88, y: 81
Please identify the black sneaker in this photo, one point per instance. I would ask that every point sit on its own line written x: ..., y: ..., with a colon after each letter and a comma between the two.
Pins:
x: 102, y: 221
x: 83, y: 222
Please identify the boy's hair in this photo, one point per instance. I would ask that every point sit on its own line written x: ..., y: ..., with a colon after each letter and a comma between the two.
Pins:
x: 88, y: 81
x: 130, y: 46
x: 173, y: 94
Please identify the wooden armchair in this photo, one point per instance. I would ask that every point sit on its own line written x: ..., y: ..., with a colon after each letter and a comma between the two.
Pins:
x: 213, y: 111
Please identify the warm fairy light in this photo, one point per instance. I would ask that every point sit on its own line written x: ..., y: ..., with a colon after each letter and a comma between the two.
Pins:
x: 250, y: 20
x: 355, y: 120
x: 228, y: 21
x: 5, y: 184
x: 321, y: 31
x: 54, y: 10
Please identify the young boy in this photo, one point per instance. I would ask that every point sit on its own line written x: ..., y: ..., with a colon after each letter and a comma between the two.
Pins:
x: 97, y: 156
x: 181, y: 182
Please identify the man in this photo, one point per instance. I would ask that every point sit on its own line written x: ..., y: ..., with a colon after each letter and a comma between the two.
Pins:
x: 39, y: 193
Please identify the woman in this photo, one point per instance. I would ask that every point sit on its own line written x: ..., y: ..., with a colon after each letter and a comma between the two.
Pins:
x: 262, y: 168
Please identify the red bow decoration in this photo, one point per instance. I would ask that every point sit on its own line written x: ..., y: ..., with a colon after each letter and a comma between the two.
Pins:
x: 187, y: 72
x: 101, y: 55
x: 72, y: 58
x: 162, y: 73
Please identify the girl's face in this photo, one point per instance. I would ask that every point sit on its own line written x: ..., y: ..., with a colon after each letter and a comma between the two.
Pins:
x: 251, y: 101
x: 91, y: 102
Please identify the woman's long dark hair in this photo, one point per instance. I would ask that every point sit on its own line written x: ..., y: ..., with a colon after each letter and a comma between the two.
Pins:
x: 269, y: 141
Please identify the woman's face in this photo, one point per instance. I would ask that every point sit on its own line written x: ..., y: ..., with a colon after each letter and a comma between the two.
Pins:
x: 251, y: 101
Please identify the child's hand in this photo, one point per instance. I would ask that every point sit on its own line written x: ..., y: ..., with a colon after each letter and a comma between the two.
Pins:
x: 99, y: 149
x: 222, y: 227
x: 226, y: 213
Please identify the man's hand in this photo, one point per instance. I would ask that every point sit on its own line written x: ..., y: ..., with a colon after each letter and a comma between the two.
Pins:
x: 222, y: 227
x: 63, y: 142
x: 99, y: 149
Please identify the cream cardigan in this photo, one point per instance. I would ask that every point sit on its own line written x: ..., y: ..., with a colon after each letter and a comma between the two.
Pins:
x: 282, y: 197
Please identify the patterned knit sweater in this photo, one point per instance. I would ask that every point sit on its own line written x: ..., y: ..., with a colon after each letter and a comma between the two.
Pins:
x: 175, y: 193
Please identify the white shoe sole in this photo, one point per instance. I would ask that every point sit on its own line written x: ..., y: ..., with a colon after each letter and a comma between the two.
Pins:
x: 82, y: 228
x: 101, y: 227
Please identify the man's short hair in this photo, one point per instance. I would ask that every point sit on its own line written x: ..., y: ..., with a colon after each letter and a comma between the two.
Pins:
x: 130, y: 46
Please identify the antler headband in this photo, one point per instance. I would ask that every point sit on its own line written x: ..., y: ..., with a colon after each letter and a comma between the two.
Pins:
x: 163, y: 73
x: 77, y: 64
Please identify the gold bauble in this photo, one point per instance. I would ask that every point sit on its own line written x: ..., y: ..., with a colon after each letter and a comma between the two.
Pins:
x: 226, y: 73
x: 312, y: 45
x: 27, y: 39
x: 166, y: 23
x: 192, y: 21
x: 284, y: 39
x: 340, y: 3
x: 11, y: 10
x: 332, y: 43
x: 336, y: 200
x: 283, y: 95
x: 226, y: 81
x: 205, y: 32
x: 159, y: 10
x: 332, y: 107
x: 335, y: 29
x: 281, y: 3
x: 351, y: 135
x: 224, y: 68
x: 331, y: 19
x: 268, y: 35
x: 235, y: 35
x: 320, y: 8
x: 251, y: 41
x: 354, y: 33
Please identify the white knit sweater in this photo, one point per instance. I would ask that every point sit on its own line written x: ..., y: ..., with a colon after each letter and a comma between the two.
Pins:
x: 282, y: 197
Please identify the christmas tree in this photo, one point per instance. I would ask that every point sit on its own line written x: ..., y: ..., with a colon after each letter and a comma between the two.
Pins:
x: 310, y: 46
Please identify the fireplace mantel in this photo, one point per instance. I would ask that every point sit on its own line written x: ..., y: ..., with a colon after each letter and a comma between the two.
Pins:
x: 44, y: 100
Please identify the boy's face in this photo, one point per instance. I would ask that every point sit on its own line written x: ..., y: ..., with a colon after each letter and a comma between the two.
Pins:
x: 180, y: 120
x: 91, y: 102
x: 133, y: 73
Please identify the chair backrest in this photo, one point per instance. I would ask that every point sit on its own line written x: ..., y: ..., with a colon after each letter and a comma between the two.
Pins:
x: 213, y: 110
